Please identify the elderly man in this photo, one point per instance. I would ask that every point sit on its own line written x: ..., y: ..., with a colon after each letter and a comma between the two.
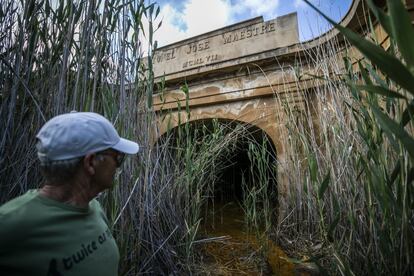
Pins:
x: 60, y: 229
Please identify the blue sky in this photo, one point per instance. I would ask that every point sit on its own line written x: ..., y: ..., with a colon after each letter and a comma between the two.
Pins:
x: 187, y: 18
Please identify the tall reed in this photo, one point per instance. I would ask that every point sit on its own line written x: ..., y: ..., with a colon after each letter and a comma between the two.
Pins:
x: 351, y: 201
x: 56, y: 56
x: 351, y: 181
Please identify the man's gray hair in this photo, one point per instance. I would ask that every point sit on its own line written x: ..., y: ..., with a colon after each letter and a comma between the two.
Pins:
x: 57, y: 171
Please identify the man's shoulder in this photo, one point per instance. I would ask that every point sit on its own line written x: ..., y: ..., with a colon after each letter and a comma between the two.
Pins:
x: 15, y: 217
x: 95, y: 205
x: 16, y: 204
x: 98, y: 209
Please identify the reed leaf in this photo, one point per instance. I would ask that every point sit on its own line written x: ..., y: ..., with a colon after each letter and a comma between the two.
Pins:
x: 324, y: 185
x: 393, y: 128
x: 375, y: 89
x: 402, y: 31
x: 381, y: 16
x: 385, y: 61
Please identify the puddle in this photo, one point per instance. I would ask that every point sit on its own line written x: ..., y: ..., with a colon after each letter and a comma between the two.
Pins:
x: 236, y: 251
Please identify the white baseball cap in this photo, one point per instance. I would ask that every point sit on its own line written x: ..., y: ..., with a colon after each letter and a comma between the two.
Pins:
x: 77, y: 134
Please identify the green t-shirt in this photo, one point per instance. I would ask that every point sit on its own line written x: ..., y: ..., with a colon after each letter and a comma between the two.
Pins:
x: 40, y: 236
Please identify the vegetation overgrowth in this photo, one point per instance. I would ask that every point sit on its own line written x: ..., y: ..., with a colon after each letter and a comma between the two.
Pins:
x: 350, y: 175
x: 59, y: 56
x: 352, y: 184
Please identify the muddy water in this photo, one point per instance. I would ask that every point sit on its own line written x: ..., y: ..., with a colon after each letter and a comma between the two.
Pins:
x: 238, y: 251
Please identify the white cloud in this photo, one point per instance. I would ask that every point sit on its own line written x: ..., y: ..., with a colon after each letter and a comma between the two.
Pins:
x: 267, y: 8
x: 199, y: 16
x: 202, y: 16
x: 170, y: 30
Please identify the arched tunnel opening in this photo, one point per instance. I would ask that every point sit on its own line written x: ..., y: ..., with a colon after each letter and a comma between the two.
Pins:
x: 244, y: 170
x: 229, y: 186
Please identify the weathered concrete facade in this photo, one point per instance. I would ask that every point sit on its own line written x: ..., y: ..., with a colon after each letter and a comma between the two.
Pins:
x: 225, y: 47
x: 245, y: 73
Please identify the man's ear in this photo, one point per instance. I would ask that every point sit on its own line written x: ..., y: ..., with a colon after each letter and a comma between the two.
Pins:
x: 89, y: 163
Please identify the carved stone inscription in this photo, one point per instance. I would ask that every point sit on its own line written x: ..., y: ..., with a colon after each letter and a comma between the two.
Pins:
x: 226, y: 45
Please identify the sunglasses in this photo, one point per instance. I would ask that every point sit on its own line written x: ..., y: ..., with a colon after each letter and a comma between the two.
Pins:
x: 119, y: 157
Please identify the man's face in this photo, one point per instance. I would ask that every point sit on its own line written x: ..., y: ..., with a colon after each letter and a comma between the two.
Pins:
x: 109, y: 160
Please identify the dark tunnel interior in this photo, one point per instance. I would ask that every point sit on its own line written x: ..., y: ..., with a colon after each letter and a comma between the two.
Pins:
x: 236, y: 170
x: 236, y: 165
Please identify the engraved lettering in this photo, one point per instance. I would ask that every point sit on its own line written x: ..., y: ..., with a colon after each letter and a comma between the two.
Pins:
x: 199, y: 61
x: 207, y: 53
x: 189, y: 49
x: 227, y: 39
x: 211, y: 58
x: 164, y: 56
x: 158, y: 58
x: 194, y: 62
x: 172, y: 53
x: 249, y: 32
x: 198, y: 46
x: 264, y: 27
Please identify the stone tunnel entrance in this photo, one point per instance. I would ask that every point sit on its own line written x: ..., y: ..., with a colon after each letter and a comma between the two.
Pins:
x: 244, y: 167
x: 239, y: 204
x: 248, y: 167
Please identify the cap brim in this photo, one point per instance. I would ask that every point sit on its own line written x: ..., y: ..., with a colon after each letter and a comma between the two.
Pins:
x: 126, y: 146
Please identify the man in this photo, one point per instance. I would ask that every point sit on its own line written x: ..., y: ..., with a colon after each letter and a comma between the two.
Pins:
x: 61, y: 229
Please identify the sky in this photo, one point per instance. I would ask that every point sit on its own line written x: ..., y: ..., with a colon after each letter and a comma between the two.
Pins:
x: 182, y: 19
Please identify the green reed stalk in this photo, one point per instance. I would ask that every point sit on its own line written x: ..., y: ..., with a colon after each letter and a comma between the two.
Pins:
x: 352, y: 203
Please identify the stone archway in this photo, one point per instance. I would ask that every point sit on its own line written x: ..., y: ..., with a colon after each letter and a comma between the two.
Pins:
x: 242, y: 82
x: 264, y: 113
x: 252, y: 149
